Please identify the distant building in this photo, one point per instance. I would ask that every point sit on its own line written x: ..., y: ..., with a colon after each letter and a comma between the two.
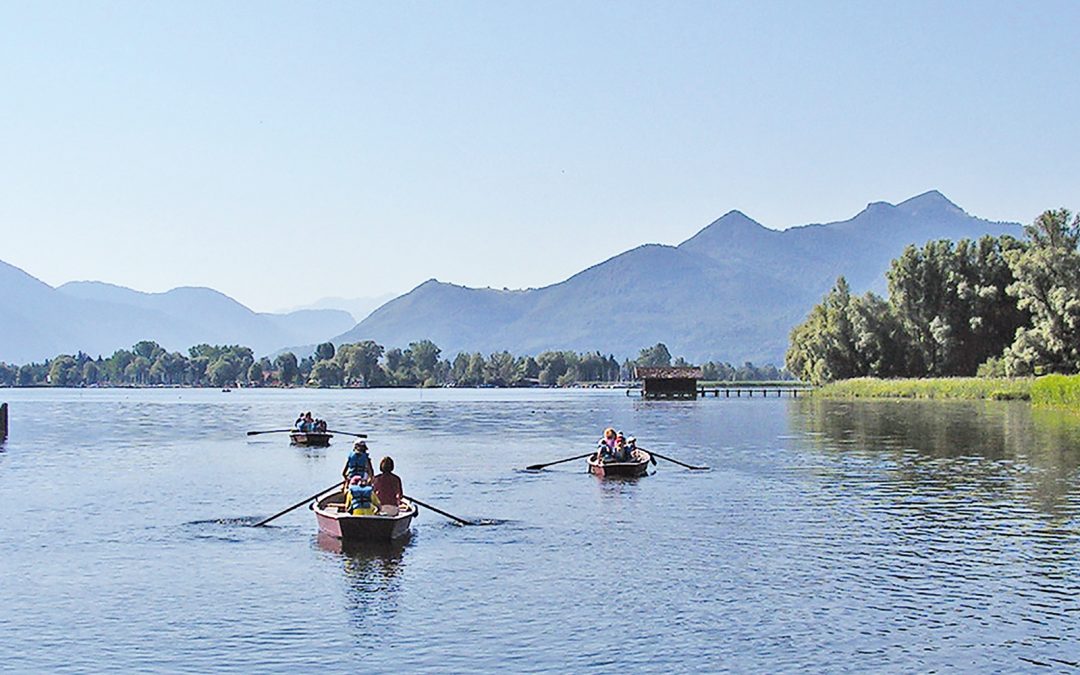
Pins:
x: 668, y: 382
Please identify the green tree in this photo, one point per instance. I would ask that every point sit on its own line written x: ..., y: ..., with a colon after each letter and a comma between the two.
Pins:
x: 287, y: 368
x: 1048, y: 286
x: 148, y: 349
x: 256, y: 374
x: 326, y: 374
x: 823, y: 348
x: 324, y: 351
x: 64, y: 371
x: 657, y: 355
x: 952, y: 303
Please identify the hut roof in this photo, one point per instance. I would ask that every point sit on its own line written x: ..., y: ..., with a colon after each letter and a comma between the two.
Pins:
x: 667, y: 373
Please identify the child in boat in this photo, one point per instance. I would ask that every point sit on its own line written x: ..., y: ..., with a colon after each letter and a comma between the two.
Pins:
x: 621, y: 453
x: 359, y: 499
x: 606, y: 447
x: 388, y: 492
x: 358, y: 465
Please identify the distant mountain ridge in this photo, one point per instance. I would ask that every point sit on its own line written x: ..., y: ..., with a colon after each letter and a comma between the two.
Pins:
x: 99, y: 318
x: 732, y: 292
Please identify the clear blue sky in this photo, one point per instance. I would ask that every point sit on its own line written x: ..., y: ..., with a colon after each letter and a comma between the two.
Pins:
x: 281, y: 152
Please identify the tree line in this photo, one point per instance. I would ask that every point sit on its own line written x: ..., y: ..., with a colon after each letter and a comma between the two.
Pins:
x: 996, y: 306
x: 361, y: 364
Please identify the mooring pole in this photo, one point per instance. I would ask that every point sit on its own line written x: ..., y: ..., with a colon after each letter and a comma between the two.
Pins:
x: 3, y: 422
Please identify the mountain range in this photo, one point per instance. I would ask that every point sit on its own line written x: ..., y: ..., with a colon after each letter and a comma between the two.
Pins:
x: 732, y: 292
x: 98, y: 318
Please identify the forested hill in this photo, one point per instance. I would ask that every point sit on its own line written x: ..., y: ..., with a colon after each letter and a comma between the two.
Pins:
x: 732, y: 292
x: 40, y: 321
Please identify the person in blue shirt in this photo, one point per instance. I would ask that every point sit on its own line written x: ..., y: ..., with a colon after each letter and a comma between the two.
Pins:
x: 358, y: 464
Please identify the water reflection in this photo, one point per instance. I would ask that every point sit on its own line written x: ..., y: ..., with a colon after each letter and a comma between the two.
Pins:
x: 984, y: 449
x: 372, y: 575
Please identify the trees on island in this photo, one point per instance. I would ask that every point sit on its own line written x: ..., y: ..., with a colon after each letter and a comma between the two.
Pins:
x: 996, y: 306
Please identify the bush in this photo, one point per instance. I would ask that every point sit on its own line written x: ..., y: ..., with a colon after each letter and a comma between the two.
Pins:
x: 1062, y: 390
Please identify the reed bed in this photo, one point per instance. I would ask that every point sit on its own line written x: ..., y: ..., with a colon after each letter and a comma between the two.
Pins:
x: 944, y: 388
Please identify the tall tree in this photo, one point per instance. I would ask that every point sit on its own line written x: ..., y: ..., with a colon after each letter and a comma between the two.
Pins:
x: 1048, y: 285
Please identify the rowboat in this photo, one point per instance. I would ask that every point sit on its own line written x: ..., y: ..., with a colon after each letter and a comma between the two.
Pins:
x: 312, y: 439
x: 637, y: 466
x: 332, y: 519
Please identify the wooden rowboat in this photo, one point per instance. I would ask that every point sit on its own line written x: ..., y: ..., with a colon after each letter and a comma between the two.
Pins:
x: 637, y: 466
x: 312, y: 439
x: 333, y: 520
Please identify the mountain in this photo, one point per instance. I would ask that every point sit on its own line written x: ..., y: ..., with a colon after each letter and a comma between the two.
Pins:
x: 99, y: 318
x: 359, y: 308
x: 731, y: 292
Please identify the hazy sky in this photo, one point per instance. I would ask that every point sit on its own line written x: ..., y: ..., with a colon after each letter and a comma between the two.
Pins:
x: 282, y: 152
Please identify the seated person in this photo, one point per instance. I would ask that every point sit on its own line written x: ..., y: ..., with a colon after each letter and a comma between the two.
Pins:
x: 358, y: 499
x: 388, y: 491
x: 606, y: 445
x: 358, y: 464
x: 621, y: 453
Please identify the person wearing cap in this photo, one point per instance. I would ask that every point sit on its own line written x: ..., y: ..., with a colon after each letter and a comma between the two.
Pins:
x: 358, y: 464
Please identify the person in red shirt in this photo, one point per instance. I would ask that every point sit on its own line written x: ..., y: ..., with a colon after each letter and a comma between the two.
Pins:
x: 387, y: 487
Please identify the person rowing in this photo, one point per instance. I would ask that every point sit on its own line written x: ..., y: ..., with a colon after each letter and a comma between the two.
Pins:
x: 388, y: 491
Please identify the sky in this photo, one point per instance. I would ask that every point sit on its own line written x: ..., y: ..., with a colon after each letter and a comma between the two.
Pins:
x: 285, y: 152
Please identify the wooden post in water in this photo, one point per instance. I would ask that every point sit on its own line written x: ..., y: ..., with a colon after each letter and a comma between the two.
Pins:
x: 3, y: 422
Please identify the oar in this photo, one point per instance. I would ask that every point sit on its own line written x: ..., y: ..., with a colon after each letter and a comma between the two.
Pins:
x: 675, y: 461
x: 271, y: 431
x: 346, y: 433
x: 448, y: 515
x: 533, y: 467
x: 299, y: 504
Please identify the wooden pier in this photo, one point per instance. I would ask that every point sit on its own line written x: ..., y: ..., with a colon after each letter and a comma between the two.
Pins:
x: 750, y: 392
x: 744, y: 391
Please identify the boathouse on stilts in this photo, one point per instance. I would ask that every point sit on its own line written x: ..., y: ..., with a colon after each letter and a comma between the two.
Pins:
x: 668, y: 382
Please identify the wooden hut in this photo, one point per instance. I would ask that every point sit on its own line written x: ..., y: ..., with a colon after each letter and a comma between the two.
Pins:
x: 667, y: 382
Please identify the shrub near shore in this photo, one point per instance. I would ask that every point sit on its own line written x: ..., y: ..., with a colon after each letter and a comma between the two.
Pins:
x: 957, y: 388
x: 1057, y: 390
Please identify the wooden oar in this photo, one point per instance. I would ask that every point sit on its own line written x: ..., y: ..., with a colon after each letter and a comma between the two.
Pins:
x: 346, y: 433
x: 299, y: 504
x: 675, y: 461
x: 448, y: 515
x: 271, y: 431
x: 533, y: 467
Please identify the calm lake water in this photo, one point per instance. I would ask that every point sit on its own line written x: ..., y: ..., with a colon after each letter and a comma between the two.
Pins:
x: 828, y: 536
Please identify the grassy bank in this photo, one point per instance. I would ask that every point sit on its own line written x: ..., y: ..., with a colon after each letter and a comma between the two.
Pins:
x: 1057, y: 390
x: 957, y: 388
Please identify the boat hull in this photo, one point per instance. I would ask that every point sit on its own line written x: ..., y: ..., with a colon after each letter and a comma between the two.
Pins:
x: 639, y: 466
x: 347, y: 527
x: 311, y: 439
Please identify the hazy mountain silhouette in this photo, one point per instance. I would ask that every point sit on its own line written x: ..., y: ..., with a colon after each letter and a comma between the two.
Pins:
x: 731, y: 292
x: 98, y: 318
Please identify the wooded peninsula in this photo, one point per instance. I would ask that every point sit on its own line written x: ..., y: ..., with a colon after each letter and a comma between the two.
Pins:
x: 362, y: 364
x: 994, y: 307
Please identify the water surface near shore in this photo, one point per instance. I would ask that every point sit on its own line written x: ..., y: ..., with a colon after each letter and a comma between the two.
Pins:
x: 829, y: 535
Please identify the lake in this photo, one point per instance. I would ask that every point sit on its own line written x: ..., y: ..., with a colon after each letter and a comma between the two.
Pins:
x: 827, y: 536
